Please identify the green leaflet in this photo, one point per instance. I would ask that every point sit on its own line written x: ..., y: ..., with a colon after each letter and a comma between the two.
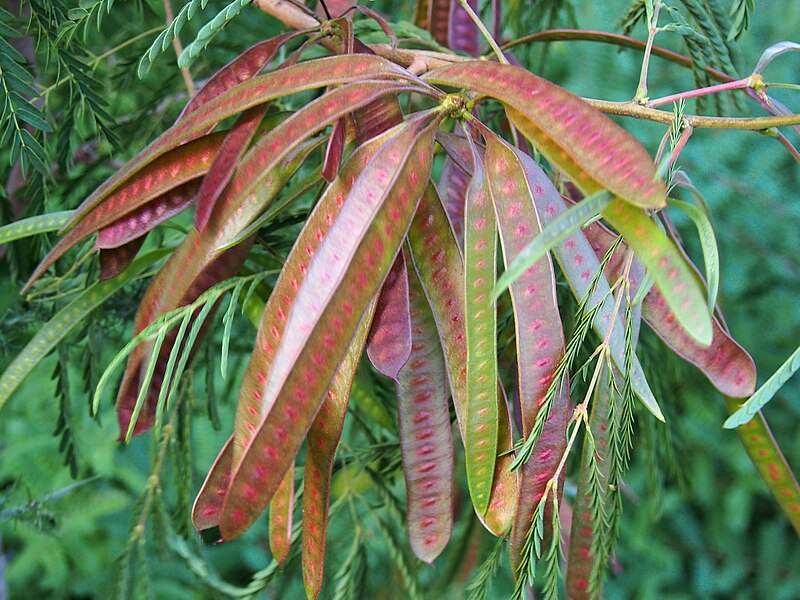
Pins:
x: 708, y: 243
x: 34, y: 226
x: 480, y: 263
x: 65, y: 321
x: 765, y: 393
x: 558, y: 230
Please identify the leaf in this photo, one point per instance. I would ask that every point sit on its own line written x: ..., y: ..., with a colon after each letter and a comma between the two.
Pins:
x: 708, y: 242
x: 425, y: 439
x: 539, y: 334
x: 33, y: 226
x: 439, y: 265
x: 666, y: 265
x: 389, y: 342
x: 175, y: 168
x: 63, y: 322
x: 280, y: 517
x: 209, y: 31
x: 590, y: 497
x: 323, y: 438
x: 309, y: 75
x: 556, y: 231
x: 225, y: 162
x: 768, y: 459
x: 343, y: 275
x: 576, y: 137
x: 579, y: 264
x: 765, y: 393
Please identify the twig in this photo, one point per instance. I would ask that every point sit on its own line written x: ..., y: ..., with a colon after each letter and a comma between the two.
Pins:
x: 176, y: 43
x: 652, y: 30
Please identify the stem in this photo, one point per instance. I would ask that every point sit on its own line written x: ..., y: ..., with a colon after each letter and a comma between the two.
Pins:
x: 631, y: 109
x: 713, y: 89
x: 479, y: 24
x: 176, y: 43
x: 652, y: 29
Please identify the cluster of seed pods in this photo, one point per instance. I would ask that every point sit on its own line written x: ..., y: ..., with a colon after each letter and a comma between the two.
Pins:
x: 384, y: 263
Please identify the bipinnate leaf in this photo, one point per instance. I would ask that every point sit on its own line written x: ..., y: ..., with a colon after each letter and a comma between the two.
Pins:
x: 281, y: 508
x: 323, y: 439
x: 63, y: 322
x: 579, y: 265
x: 539, y: 333
x: 480, y: 263
x: 251, y: 407
x: 590, y: 497
x: 664, y: 262
x: 245, y: 66
x: 225, y: 162
x: 440, y: 267
x: 576, y: 137
x: 168, y: 172
x: 309, y: 75
x: 425, y: 438
x: 768, y: 459
x: 193, y: 268
x: 138, y: 222
x: 765, y: 393
x: 114, y: 261
x: 343, y: 275
x: 724, y: 362
x: 389, y: 342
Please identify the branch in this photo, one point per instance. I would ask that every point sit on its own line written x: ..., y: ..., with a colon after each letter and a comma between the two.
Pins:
x: 632, y: 109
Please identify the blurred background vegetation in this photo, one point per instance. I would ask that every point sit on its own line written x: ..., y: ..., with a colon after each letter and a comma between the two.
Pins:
x: 697, y: 523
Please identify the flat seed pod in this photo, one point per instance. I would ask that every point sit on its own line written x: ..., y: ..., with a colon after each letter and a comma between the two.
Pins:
x: 580, y: 140
x: 168, y: 172
x: 280, y: 518
x: 425, y: 438
x: 343, y: 275
x: 145, y: 218
x: 313, y: 74
x: 579, y: 264
x: 323, y: 439
x: 480, y: 264
x: 724, y: 362
x: 539, y: 333
x: 114, y: 261
x: 389, y: 342
x: 440, y: 267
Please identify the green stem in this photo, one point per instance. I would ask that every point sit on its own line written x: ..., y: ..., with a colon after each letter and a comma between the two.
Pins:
x: 652, y: 29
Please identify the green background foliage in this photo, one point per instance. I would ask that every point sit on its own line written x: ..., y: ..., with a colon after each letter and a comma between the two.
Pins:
x: 697, y: 520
